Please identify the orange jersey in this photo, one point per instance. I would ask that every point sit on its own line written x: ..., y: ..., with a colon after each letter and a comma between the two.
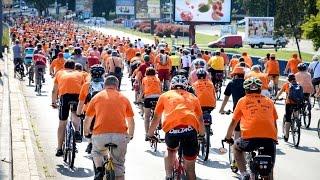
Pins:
x: 272, y: 67
x: 248, y: 60
x: 233, y: 62
x: 57, y: 64
x: 110, y: 109
x: 257, y: 115
x: 130, y: 53
x: 292, y: 65
x: 69, y: 82
x: 151, y: 85
x: 178, y: 108
x: 159, y: 65
x: 205, y: 92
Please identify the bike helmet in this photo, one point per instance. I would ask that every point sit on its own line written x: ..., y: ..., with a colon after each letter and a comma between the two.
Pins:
x: 114, y: 53
x: 77, y: 51
x: 252, y: 84
x: 97, y: 71
x: 179, y: 82
x: 146, y: 58
x: 302, y: 67
x: 201, y: 73
x: 79, y: 67
x: 199, y: 63
x: 291, y: 77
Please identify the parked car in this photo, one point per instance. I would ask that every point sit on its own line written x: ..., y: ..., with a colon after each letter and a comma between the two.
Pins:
x: 228, y: 41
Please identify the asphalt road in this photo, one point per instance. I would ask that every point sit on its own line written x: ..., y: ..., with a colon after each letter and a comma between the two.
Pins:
x: 142, y: 163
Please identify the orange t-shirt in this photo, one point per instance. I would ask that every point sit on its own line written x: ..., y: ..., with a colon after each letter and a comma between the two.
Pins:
x: 285, y: 88
x: 233, y: 62
x: 206, y: 57
x: 168, y: 65
x: 293, y: 65
x: 151, y: 85
x: 69, y: 82
x: 262, y: 76
x: 248, y: 60
x: 57, y: 64
x: 272, y: 67
x: 130, y: 53
x: 83, y: 94
x: 257, y: 115
x: 205, y: 92
x: 179, y: 108
x: 110, y: 109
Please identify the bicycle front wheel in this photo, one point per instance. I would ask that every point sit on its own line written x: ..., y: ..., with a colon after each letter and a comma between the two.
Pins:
x: 307, y: 117
x: 319, y: 128
x: 72, y: 153
x: 204, y: 145
x: 295, y: 130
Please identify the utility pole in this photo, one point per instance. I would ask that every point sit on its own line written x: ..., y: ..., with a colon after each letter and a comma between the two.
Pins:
x: 1, y: 28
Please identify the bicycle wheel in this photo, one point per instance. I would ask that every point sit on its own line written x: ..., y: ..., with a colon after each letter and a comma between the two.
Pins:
x: 307, y: 116
x: 218, y: 90
x: 295, y: 131
x: 110, y: 175
x: 207, y: 143
x: 72, y: 153
x: 232, y: 161
x: 66, y: 147
x: 319, y: 128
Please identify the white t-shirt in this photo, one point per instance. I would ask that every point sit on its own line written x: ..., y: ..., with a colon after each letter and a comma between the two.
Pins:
x: 186, y: 61
x: 315, y: 68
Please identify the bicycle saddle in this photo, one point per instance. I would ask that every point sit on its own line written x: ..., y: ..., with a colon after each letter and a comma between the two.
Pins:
x: 110, y: 145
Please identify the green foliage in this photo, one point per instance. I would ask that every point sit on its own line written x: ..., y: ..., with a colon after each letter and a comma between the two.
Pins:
x: 312, y: 28
x: 261, y: 8
x: 100, y: 7
x: 40, y: 5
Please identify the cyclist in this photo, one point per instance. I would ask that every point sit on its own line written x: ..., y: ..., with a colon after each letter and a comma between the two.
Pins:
x: 216, y: 67
x: 247, y: 59
x: 273, y: 70
x: 182, y: 122
x: 115, y: 66
x: 67, y: 85
x: 39, y: 61
x: 163, y: 66
x: 205, y: 91
x: 176, y: 62
x: 233, y: 62
x: 314, y: 69
x: 198, y: 63
x: 290, y: 104
x: 114, y: 123
x: 186, y: 61
x: 135, y: 62
x: 257, y: 116
x: 303, y: 77
x: 57, y: 64
x: 151, y: 90
x: 129, y: 54
x: 292, y: 64
x: 256, y: 72
x: 78, y: 58
x: 88, y: 90
x: 17, y: 57
x: 93, y: 59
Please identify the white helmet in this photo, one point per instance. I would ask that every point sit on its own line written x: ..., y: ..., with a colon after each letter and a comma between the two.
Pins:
x: 179, y: 81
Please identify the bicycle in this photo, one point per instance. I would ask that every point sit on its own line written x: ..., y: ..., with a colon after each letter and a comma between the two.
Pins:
x: 39, y: 78
x: 218, y: 84
x: 295, y: 127
x: 179, y: 171
x: 259, y: 164
x: 69, y: 147
x: 316, y: 99
x: 305, y: 112
x: 232, y: 161
x: 204, y: 144
x: 19, y: 70
x: 318, y: 129
x: 30, y: 69
x: 272, y: 89
x: 108, y: 166
x: 156, y: 139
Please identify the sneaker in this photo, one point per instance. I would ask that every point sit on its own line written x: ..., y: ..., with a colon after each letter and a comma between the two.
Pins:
x: 59, y: 153
x: 78, y: 136
x: 89, y: 148
x: 98, y: 174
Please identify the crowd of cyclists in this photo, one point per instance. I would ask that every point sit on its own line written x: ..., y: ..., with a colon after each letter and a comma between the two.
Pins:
x: 173, y: 86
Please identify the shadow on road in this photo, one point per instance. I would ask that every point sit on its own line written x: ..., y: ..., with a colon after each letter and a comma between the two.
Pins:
x: 279, y: 152
x: 157, y: 154
x: 214, y: 164
x: 76, y: 172
x: 307, y: 149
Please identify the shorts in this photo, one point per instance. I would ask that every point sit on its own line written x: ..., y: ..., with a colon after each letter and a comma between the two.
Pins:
x: 118, y: 154
x: 217, y: 75
x: 248, y: 145
x: 274, y: 77
x: 66, y: 101
x: 164, y: 74
x: 17, y: 61
x: 150, y: 102
x: 37, y: 69
x: 188, y: 141
x: 289, y: 110
x: 316, y: 81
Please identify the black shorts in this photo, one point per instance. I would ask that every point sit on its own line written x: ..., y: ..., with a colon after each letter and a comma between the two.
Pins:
x: 188, y: 141
x: 289, y: 110
x: 67, y: 101
x: 316, y: 81
x: 150, y: 102
x: 248, y: 145
x: 17, y: 61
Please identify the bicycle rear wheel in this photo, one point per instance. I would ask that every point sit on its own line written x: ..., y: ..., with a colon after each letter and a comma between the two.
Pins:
x: 72, y: 153
x: 205, y: 144
x: 66, y: 147
x: 295, y: 130
x: 319, y: 128
x: 218, y: 90
x: 307, y: 117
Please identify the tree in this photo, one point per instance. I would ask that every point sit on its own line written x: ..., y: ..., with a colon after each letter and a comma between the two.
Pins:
x: 100, y: 7
x: 311, y: 28
x: 1, y: 28
x: 311, y: 7
x: 261, y: 8
x: 289, y: 18
x: 41, y: 5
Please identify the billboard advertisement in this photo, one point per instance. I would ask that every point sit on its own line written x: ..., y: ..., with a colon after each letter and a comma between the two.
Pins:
x: 203, y: 11
x: 147, y: 9
x: 125, y: 7
x: 259, y: 27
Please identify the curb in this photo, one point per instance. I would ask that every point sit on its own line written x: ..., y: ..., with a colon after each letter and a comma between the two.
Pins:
x: 24, y: 160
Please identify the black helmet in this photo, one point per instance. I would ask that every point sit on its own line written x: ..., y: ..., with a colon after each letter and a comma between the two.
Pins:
x: 302, y: 67
x: 291, y: 77
x: 97, y: 71
x: 77, y: 51
x: 146, y: 58
x: 201, y: 73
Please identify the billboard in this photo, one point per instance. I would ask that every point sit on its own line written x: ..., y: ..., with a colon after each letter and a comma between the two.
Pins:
x: 125, y: 7
x: 148, y: 9
x: 202, y: 11
x: 259, y: 27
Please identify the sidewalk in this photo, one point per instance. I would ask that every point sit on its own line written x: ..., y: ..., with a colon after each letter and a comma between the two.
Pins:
x: 16, y: 148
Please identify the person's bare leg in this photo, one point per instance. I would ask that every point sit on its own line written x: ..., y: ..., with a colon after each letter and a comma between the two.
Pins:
x: 119, y: 177
x: 75, y: 121
x: 147, y: 119
x: 239, y: 156
x: 169, y: 161
x: 61, y: 132
x: 287, y: 126
x: 190, y: 169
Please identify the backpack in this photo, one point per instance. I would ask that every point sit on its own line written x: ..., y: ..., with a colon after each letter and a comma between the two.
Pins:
x: 296, y: 93
x: 163, y: 59
x: 94, y: 88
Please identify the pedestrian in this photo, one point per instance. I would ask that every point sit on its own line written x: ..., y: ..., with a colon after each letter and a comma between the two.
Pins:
x: 114, y: 124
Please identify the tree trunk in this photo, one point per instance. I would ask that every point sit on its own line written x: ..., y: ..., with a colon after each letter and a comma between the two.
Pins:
x: 298, y: 46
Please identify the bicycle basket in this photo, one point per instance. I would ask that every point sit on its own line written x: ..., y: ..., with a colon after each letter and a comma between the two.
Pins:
x: 262, y: 165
